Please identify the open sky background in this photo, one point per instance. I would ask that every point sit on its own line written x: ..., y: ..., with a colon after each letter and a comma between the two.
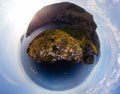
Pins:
x: 15, y: 16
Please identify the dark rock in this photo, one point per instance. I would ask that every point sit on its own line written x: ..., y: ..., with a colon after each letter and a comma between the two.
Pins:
x: 89, y: 59
x: 76, y: 23
x: 70, y: 15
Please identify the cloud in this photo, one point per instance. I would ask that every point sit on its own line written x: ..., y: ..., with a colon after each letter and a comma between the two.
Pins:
x: 116, y: 1
x: 101, y: 1
x: 106, y: 85
x: 7, y: 78
x: 119, y: 58
x: 92, y: 5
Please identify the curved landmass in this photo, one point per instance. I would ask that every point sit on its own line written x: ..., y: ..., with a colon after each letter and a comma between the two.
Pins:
x: 67, y: 14
x: 74, y: 40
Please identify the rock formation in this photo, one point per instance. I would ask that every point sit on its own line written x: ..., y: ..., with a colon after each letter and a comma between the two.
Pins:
x: 74, y: 40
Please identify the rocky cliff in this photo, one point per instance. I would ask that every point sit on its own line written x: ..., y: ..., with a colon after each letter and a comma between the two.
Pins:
x: 75, y: 39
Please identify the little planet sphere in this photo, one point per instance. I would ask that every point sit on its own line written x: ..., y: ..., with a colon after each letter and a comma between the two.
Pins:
x: 71, y: 38
x: 61, y: 47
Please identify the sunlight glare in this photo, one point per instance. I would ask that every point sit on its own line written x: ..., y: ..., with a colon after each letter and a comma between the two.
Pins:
x: 22, y: 11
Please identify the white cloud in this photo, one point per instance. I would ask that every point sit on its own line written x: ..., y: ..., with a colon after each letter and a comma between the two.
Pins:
x: 92, y: 5
x: 101, y: 1
x: 116, y: 1
x: 9, y: 80
x: 108, y: 82
x: 119, y: 58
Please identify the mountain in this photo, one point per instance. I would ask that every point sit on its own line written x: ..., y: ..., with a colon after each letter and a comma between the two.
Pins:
x: 67, y: 13
x: 75, y: 39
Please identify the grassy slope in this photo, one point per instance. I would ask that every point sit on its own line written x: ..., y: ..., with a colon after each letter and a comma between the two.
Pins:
x: 82, y: 37
x: 43, y: 40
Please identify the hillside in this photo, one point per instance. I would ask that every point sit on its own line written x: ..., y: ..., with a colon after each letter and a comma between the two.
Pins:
x: 61, y: 44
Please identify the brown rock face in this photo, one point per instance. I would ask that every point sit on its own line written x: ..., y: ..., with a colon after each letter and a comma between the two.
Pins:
x: 53, y: 45
x: 74, y: 25
x: 68, y: 14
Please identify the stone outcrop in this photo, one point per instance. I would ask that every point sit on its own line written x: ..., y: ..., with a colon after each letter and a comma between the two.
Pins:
x: 67, y: 14
x: 73, y: 39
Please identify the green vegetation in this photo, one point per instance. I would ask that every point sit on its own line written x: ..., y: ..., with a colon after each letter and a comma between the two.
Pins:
x: 70, y: 43
x: 82, y: 37
x: 54, y: 48
x: 47, y: 58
